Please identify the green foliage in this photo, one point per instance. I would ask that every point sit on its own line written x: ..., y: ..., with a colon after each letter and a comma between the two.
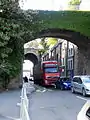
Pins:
x: 78, y: 21
x: 74, y: 2
x: 51, y: 42
x: 10, y: 44
x: 46, y: 44
x: 16, y: 27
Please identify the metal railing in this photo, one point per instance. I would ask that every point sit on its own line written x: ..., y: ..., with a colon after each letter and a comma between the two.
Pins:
x: 24, y: 104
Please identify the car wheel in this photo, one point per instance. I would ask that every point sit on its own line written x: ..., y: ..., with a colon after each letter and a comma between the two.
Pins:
x: 72, y: 89
x: 57, y: 86
x: 83, y: 92
x: 62, y: 88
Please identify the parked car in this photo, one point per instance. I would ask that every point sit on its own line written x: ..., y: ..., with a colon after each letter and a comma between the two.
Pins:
x: 63, y: 83
x: 84, y: 113
x: 81, y: 84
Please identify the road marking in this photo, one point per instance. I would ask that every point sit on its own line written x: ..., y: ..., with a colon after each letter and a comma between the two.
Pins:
x: 50, y: 90
x: 18, y: 104
x: 44, y: 91
x: 9, y: 117
x: 81, y: 98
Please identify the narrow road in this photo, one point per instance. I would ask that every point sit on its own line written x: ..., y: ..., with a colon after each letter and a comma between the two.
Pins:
x: 8, y: 105
x: 52, y: 104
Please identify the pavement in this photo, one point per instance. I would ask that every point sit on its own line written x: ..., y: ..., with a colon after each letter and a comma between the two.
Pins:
x: 53, y: 104
x: 8, y: 105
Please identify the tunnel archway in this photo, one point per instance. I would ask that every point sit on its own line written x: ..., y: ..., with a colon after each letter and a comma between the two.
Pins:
x: 82, y: 42
x: 75, y: 37
x: 32, y: 57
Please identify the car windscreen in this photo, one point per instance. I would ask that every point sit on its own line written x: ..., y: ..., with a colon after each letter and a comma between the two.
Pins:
x: 86, y: 79
x: 51, y: 70
x: 66, y: 80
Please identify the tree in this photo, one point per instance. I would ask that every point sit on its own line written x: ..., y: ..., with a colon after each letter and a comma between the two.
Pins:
x: 47, y: 43
x: 16, y: 26
x: 51, y: 42
x: 74, y: 2
x: 44, y: 46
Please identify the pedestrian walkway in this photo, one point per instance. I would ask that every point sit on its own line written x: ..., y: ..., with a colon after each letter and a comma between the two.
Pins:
x: 8, y: 105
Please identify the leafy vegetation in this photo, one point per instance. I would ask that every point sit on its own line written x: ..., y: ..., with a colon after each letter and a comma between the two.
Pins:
x: 42, y: 45
x: 46, y: 44
x: 78, y: 21
x: 74, y: 2
x: 16, y: 27
x: 51, y: 42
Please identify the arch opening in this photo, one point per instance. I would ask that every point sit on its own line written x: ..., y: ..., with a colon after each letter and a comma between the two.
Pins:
x: 81, y: 41
x: 81, y: 53
x: 29, y: 62
x: 75, y: 37
x: 33, y: 58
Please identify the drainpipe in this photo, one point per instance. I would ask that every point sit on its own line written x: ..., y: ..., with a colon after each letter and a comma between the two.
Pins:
x: 66, y: 61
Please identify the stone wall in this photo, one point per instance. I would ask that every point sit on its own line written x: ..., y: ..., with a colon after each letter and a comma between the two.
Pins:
x: 15, y: 83
x: 75, y: 60
x: 82, y: 61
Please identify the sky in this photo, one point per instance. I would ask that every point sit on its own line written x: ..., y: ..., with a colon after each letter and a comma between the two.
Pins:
x: 85, y: 5
x: 45, y: 4
x: 51, y: 4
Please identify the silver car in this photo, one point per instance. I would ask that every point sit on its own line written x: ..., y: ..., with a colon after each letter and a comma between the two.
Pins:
x: 81, y: 84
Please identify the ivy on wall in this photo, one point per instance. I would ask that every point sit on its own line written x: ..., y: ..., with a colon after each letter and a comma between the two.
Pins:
x: 16, y: 28
x: 78, y: 21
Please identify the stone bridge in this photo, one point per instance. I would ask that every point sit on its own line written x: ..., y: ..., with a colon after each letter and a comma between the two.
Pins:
x: 73, y: 26
x: 32, y: 55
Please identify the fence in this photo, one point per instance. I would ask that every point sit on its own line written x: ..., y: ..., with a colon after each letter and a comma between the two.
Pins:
x: 24, y: 104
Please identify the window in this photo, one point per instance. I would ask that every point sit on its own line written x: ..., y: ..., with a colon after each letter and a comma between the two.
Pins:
x: 79, y: 81
x: 86, y: 79
x: 57, y: 57
x: 71, y: 51
x: 70, y: 64
x: 51, y: 70
x: 62, y: 61
x: 75, y: 79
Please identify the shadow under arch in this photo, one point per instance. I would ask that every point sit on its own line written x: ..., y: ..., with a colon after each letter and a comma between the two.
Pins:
x: 33, y: 58
x: 75, y: 37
